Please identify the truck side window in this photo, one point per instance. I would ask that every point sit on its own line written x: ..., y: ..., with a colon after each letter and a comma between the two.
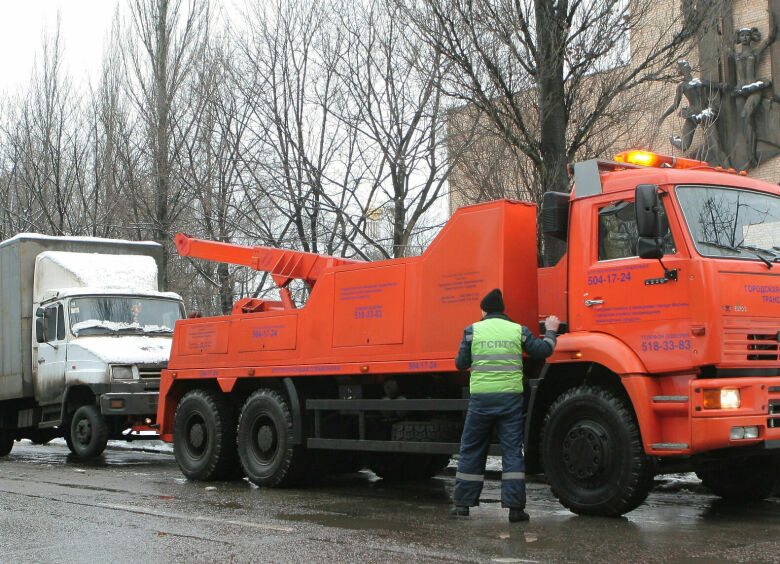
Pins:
x: 60, y: 323
x: 618, y: 234
x: 50, y: 320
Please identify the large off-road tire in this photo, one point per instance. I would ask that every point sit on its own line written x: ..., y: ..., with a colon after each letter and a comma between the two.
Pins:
x: 6, y: 442
x: 265, y: 442
x: 88, y: 432
x: 593, y: 455
x: 748, y: 479
x: 204, y: 436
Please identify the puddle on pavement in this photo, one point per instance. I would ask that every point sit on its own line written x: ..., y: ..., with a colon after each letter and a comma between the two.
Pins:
x: 349, y: 522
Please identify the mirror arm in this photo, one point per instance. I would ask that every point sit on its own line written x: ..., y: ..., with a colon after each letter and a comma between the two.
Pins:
x: 668, y: 275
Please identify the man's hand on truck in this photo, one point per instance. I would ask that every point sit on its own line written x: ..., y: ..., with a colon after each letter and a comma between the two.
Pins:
x: 552, y: 323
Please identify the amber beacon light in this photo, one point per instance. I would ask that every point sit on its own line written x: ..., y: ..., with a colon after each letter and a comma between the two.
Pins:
x: 647, y: 158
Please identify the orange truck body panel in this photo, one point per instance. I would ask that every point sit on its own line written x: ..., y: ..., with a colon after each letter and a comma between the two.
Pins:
x: 389, y: 317
x: 406, y: 316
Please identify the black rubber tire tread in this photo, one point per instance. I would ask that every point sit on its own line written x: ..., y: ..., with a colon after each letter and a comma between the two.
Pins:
x: 405, y: 467
x: 626, y: 484
x: 290, y: 464
x: 220, y: 458
x: 6, y: 443
x: 750, y: 479
x: 98, y: 435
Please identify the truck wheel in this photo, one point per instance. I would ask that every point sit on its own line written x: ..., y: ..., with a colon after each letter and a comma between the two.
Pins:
x: 265, y: 441
x: 88, y: 432
x: 593, y: 455
x: 749, y: 479
x: 204, y: 436
x: 6, y: 443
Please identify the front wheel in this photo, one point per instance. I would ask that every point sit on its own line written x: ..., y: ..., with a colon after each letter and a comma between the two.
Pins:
x: 204, y: 436
x: 6, y: 442
x: 88, y: 432
x: 593, y: 455
x: 749, y: 479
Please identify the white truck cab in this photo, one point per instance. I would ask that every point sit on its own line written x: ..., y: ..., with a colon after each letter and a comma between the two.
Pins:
x: 100, y: 335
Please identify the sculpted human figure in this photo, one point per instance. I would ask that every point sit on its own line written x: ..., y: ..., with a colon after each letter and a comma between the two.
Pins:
x: 750, y: 88
x: 703, y: 101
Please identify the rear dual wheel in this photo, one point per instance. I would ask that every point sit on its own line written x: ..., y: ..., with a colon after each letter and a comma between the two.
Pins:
x: 266, y: 442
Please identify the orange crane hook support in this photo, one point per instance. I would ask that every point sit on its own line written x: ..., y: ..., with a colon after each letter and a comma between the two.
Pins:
x: 283, y: 265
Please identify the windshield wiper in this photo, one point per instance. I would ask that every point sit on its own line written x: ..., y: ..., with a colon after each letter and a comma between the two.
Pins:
x: 738, y: 248
x: 96, y: 330
x: 135, y: 330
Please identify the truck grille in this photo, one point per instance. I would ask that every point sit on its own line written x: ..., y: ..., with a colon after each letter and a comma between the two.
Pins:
x: 753, y: 340
x: 150, y: 372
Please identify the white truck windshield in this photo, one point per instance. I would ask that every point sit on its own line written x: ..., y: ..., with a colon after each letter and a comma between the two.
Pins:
x: 123, y: 315
x: 733, y: 223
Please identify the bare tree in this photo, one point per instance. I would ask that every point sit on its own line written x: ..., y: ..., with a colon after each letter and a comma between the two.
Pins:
x: 46, y: 160
x: 398, y: 109
x: 549, y: 73
x: 165, y: 39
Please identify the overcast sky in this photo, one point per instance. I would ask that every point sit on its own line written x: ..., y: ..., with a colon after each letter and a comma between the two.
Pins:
x: 84, y: 29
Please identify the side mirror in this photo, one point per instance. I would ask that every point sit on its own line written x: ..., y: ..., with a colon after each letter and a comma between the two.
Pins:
x: 40, y: 329
x: 39, y: 312
x: 648, y: 222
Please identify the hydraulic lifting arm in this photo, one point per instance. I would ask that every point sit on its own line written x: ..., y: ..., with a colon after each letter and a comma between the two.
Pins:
x: 283, y: 265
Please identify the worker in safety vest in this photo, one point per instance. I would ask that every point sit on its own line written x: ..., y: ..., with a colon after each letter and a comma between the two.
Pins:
x: 493, y: 349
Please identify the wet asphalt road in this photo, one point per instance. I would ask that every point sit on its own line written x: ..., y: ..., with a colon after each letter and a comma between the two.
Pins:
x: 133, y: 506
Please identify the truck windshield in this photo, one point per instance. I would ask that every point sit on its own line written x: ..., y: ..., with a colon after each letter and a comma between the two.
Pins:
x: 120, y: 315
x: 733, y: 223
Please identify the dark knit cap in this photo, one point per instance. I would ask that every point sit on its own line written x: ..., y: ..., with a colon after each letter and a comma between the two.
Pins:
x: 493, y: 302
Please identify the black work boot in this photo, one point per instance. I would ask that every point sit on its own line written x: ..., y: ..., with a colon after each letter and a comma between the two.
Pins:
x: 517, y: 514
x: 459, y: 511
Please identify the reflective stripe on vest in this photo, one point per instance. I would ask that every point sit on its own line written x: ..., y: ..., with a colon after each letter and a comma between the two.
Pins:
x: 496, y: 357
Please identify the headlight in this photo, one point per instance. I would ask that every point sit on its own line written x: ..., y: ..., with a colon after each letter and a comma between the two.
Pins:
x: 121, y: 372
x: 722, y: 398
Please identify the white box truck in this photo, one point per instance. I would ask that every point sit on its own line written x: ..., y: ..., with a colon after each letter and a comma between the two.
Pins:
x: 84, y: 334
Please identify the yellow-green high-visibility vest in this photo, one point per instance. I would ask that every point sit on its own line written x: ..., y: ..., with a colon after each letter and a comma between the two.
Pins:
x: 496, y: 357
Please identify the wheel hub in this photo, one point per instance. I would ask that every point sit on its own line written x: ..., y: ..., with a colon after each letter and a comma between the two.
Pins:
x: 584, y: 450
x: 83, y: 431
x: 197, y: 436
x: 265, y: 438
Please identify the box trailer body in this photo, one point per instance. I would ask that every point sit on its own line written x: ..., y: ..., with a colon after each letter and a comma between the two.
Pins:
x: 667, y: 357
x: 45, y: 379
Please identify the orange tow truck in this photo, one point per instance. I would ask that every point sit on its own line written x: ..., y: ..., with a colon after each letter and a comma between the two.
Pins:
x: 667, y: 359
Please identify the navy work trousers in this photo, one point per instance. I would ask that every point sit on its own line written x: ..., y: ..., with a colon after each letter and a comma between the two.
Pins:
x: 504, y: 412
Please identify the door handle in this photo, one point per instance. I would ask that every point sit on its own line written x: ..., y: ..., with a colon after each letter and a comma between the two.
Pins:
x: 41, y: 360
x: 593, y: 302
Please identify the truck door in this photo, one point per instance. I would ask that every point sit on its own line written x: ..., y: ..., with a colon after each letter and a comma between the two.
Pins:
x: 50, y: 380
x: 614, y: 291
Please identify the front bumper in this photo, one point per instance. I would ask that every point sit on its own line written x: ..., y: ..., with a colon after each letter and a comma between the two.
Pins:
x: 760, y: 407
x: 129, y: 403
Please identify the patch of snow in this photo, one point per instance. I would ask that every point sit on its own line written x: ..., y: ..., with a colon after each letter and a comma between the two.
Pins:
x: 695, y: 82
x: 96, y: 270
x: 127, y: 349
x: 116, y: 326
x: 87, y: 291
x: 77, y: 239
